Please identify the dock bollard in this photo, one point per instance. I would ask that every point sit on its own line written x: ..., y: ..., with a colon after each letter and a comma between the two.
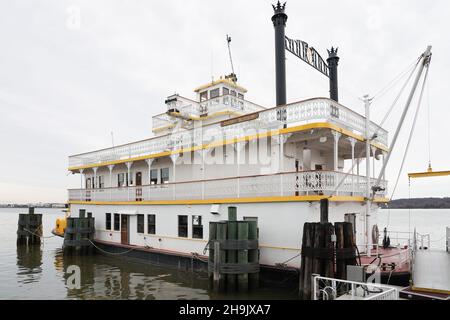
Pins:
x: 29, y: 228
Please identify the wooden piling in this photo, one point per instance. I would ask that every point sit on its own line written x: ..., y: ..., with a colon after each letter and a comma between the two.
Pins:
x: 253, y: 255
x: 232, y: 254
x: 222, y: 236
x: 242, y: 256
x: 29, y: 228
x: 79, y: 234
x: 212, y: 238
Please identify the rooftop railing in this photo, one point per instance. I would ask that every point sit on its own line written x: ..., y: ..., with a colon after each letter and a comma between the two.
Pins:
x: 318, y: 109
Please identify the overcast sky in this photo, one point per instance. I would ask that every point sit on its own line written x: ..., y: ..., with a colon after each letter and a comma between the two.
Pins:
x: 66, y: 83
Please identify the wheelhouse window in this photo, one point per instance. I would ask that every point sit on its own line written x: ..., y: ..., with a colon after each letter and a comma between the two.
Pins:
x: 197, y: 227
x: 203, y: 96
x: 151, y: 224
x: 164, y: 175
x: 240, y: 96
x: 225, y: 91
x: 116, y: 222
x: 183, y: 226
x: 140, y: 223
x: 108, y: 221
x: 214, y: 93
x: 154, y: 176
x: 233, y: 93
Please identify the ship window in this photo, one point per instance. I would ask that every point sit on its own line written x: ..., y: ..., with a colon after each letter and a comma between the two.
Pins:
x: 116, y: 222
x: 121, y: 180
x: 197, y: 227
x: 88, y: 183
x: 164, y: 175
x: 108, y: 221
x: 183, y: 226
x: 151, y: 224
x: 225, y: 91
x: 203, y: 96
x: 214, y: 93
x: 154, y: 176
x: 233, y: 93
x: 140, y: 223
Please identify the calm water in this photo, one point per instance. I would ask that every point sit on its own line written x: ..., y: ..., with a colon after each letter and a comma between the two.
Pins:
x: 39, y: 272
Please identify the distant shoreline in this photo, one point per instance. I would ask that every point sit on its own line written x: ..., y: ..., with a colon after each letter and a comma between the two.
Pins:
x: 419, y: 203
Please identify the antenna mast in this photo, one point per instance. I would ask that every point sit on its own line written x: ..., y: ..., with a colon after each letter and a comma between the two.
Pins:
x: 233, y: 75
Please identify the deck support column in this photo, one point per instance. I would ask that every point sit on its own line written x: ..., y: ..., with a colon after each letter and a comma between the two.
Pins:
x: 239, y: 146
x: 203, y: 154
x: 149, y: 164
x: 174, y: 158
x: 353, y: 143
x: 337, y: 136
x: 281, y: 140
x: 83, y: 186
x: 129, y: 164
x: 110, y: 167
x: 94, y: 183
x: 374, y: 150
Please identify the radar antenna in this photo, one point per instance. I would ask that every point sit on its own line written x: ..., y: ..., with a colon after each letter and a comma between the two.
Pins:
x: 232, y: 76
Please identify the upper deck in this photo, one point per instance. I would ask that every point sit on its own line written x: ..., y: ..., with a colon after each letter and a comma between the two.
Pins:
x: 256, y: 121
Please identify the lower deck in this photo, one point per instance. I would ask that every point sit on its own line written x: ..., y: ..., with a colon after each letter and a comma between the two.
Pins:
x: 184, y: 229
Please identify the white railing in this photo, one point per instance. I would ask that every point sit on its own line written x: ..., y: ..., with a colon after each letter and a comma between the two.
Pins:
x: 447, y: 242
x: 285, y: 184
x: 324, y: 288
x: 319, y: 109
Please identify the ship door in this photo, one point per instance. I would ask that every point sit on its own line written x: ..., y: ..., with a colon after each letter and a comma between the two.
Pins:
x: 124, y: 228
x: 138, y: 186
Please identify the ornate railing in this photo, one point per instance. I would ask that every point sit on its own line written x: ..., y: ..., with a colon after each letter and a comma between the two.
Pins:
x: 319, y: 109
x: 285, y: 184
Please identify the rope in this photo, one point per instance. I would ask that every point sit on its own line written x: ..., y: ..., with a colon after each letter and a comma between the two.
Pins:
x: 411, y: 131
x: 38, y: 235
x: 111, y: 253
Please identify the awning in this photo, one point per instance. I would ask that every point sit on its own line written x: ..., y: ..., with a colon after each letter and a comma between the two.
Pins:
x: 128, y: 212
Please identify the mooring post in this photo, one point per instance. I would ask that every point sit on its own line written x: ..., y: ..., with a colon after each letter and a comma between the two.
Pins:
x: 324, y: 205
x: 279, y: 22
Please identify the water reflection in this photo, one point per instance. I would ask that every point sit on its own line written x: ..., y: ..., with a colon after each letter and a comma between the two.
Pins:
x: 29, y: 263
x: 111, y: 278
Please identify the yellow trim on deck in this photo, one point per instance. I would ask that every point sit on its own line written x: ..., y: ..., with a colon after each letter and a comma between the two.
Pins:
x: 317, y: 125
x: 233, y: 200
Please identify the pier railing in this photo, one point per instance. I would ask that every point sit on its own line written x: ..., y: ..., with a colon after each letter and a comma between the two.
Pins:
x: 324, y: 288
x: 284, y: 184
x: 318, y: 110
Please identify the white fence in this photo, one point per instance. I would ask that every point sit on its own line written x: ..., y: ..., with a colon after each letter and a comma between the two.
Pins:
x: 286, y: 184
x: 336, y: 289
x: 319, y: 109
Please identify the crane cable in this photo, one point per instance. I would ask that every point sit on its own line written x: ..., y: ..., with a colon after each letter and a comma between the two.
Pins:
x: 378, y: 128
x: 399, y: 94
x: 412, y: 129
x: 394, y: 81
